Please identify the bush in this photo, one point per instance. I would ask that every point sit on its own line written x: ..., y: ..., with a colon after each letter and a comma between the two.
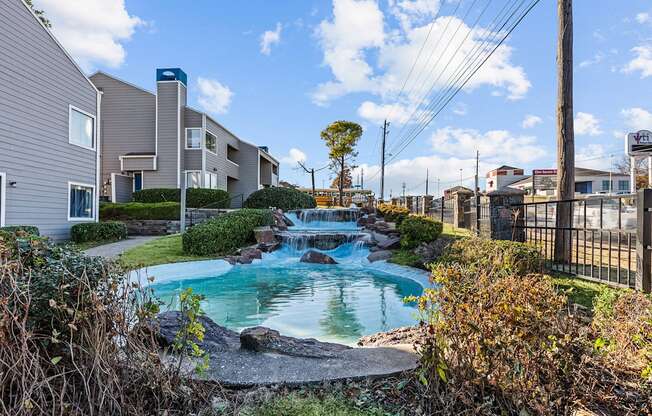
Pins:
x: 499, y: 256
x: 29, y: 229
x: 393, y: 213
x: 225, y: 233
x: 195, y: 197
x: 417, y: 229
x: 497, y: 344
x: 283, y: 198
x: 140, y: 211
x: 98, y: 231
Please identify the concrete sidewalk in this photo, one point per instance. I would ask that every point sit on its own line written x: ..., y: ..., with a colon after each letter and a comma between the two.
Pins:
x: 113, y: 250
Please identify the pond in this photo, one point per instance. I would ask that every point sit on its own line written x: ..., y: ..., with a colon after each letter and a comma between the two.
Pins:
x: 338, y: 303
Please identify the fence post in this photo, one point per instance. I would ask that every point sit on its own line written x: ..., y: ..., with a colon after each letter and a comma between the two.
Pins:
x: 458, y: 209
x: 644, y: 240
x: 443, y: 201
x: 503, y: 225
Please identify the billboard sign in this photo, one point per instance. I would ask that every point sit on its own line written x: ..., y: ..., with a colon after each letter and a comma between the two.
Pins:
x: 639, y: 143
x: 544, y: 179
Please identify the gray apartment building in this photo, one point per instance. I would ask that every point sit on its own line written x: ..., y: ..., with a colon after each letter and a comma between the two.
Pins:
x: 155, y: 140
x: 49, y: 140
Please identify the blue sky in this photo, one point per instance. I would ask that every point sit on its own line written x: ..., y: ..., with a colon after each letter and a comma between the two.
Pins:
x: 276, y: 73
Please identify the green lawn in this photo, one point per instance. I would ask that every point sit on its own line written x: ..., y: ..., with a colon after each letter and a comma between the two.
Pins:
x: 160, y: 251
x: 297, y: 405
x: 450, y: 231
x: 579, y: 291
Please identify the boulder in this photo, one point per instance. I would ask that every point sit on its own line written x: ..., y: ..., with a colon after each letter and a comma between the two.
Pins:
x: 430, y: 252
x: 252, y: 253
x: 216, y: 338
x: 390, y: 243
x: 268, y: 248
x: 261, y: 339
x: 379, y: 255
x: 371, y: 219
x: 264, y: 235
x: 312, y: 256
x: 244, y: 259
x: 362, y: 221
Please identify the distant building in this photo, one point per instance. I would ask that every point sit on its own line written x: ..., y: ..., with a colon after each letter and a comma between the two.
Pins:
x: 328, y: 197
x: 448, y: 193
x: 503, y: 176
x: 587, y: 181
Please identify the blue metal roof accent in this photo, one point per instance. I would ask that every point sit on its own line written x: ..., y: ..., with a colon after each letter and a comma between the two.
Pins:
x: 171, y: 74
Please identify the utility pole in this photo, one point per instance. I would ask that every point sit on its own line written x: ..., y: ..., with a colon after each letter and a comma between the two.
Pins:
x: 382, y: 162
x: 427, y: 176
x: 565, y: 131
x: 477, y: 192
x: 461, y: 180
x: 361, y: 178
x: 404, y: 192
x: 311, y: 171
x: 437, y: 186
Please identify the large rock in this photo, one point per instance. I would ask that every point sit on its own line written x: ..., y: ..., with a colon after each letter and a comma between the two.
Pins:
x: 261, y: 339
x: 312, y: 256
x: 390, y: 244
x: 429, y: 252
x: 216, y: 338
x: 379, y: 255
x: 268, y: 248
x: 264, y: 235
x: 252, y: 253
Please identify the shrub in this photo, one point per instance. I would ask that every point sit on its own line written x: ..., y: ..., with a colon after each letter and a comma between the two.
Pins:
x: 393, y: 213
x: 498, y: 343
x: 140, y: 211
x: 498, y: 256
x: 98, y: 231
x: 283, y: 198
x: 29, y: 229
x: 225, y: 233
x: 417, y: 229
x: 195, y: 197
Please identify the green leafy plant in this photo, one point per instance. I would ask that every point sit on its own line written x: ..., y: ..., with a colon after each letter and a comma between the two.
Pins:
x: 341, y: 138
x: 191, y: 332
x: 283, y: 198
x: 195, y: 197
x: 29, y: 229
x: 225, y: 233
x: 140, y: 211
x: 393, y: 213
x: 98, y: 231
x: 418, y: 229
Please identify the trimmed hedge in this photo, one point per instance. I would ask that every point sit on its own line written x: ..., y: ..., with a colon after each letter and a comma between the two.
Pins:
x: 283, y: 198
x: 195, y: 197
x: 29, y: 229
x: 98, y: 231
x: 140, y: 211
x: 226, y: 233
x: 393, y: 213
x: 416, y: 230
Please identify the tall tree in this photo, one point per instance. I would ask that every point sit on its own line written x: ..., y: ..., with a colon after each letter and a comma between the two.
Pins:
x: 565, y: 132
x: 40, y: 14
x: 341, y: 138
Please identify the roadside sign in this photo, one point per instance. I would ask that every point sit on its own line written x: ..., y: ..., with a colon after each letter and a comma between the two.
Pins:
x: 544, y: 179
x: 639, y: 143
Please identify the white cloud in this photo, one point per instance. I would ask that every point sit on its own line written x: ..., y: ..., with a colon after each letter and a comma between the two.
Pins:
x: 642, y: 62
x: 357, y: 29
x: 269, y: 38
x: 460, y: 109
x: 637, y: 118
x: 294, y: 156
x: 587, y: 124
x: 597, y: 58
x: 499, y: 145
x: 377, y: 113
x: 93, y: 31
x: 643, y: 17
x: 593, y: 156
x: 214, y: 97
x: 531, y: 120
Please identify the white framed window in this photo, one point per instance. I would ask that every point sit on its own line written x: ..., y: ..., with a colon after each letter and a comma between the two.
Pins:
x: 81, y: 202
x: 211, y: 142
x: 193, y: 179
x: 81, y: 128
x: 193, y: 138
x: 210, y: 180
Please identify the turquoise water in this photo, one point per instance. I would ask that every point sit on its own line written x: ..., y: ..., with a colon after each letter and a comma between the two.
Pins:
x: 337, y: 303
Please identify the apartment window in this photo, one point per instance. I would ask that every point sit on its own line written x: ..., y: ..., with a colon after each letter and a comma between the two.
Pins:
x: 623, y: 185
x: 211, y: 142
x: 81, y: 203
x: 210, y: 180
x: 275, y: 169
x: 193, y: 138
x: 605, y: 186
x: 138, y: 181
x: 81, y: 127
x: 193, y: 179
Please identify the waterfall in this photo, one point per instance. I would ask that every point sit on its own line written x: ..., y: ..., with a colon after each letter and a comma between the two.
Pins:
x: 325, y: 219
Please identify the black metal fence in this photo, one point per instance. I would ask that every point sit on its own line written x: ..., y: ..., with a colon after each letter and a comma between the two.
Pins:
x: 442, y: 209
x: 599, y: 236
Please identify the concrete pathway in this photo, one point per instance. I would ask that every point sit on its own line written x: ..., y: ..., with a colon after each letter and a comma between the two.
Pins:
x: 113, y: 250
